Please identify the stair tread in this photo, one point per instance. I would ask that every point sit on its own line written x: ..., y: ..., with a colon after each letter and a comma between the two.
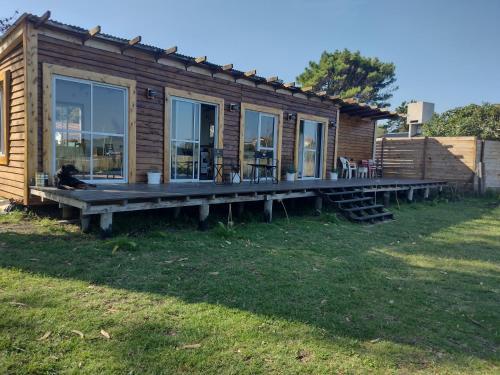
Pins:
x: 374, y: 216
x: 363, y: 208
x: 352, y: 200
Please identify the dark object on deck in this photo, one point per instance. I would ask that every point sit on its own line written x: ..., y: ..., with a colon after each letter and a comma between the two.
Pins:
x: 264, y: 165
x: 66, y: 181
x: 355, y: 206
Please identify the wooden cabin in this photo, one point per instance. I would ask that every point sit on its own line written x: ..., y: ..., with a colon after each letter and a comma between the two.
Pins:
x: 117, y: 109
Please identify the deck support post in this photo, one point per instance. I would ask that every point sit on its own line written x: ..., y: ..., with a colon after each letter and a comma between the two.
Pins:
x: 85, y: 222
x: 410, y: 195
x: 177, y: 212
x: 204, y: 211
x: 318, y: 205
x: 387, y: 198
x: 268, y: 210
x: 106, y: 224
x: 427, y: 193
x: 240, y: 207
x: 67, y: 212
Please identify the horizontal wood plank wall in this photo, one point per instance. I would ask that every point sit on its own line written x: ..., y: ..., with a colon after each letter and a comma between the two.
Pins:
x: 355, y: 138
x: 12, y: 174
x: 444, y: 158
x: 150, y: 112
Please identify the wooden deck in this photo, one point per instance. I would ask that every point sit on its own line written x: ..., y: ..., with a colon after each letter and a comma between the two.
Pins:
x: 107, y: 199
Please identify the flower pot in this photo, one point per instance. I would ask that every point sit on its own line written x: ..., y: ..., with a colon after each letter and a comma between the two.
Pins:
x: 154, y: 178
x: 334, y: 176
x: 235, y: 178
x: 290, y: 176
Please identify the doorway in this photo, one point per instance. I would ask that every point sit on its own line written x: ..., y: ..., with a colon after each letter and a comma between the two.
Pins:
x: 193, y: 139
x: 310, y: 146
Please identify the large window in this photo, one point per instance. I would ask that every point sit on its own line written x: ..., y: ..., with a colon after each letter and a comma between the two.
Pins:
x: 90, y: 129
x: 260, y: 135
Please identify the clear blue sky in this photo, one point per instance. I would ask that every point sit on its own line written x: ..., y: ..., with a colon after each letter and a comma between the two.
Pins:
x: 445, y: 51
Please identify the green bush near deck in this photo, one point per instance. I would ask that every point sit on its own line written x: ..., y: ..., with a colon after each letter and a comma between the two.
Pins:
x: 308, y: 295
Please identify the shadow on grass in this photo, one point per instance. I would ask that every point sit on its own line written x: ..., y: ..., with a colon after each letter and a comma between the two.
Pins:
x: 352, y: 282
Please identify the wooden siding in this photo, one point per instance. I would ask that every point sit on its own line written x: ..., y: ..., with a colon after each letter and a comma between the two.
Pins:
x: 451, y: 159
x: 355, y: 138
x: 12, y: 175
x: 150, y: 112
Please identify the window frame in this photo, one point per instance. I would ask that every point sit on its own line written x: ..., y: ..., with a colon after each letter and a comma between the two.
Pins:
x: 91, y: 133
x: 49, y: 70
x: 172, y: 93
x: 5, y: 78
x: 324, y: 146
x: 278, y: 113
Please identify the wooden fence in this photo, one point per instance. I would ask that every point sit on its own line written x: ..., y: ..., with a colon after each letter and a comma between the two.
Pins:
x: 467, y: 161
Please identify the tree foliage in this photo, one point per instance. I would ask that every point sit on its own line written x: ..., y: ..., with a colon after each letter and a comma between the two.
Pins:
x: 348, y: 74
x: 6, y: 22
x: 482, y: 121
x: 399, y: 124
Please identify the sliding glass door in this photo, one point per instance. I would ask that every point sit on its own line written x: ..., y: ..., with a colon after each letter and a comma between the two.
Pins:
x: 90, y: 129
x: 310, y: 146
x: 260, y: 135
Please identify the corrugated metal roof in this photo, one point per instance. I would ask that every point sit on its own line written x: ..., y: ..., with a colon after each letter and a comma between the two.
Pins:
x: 351, y: 107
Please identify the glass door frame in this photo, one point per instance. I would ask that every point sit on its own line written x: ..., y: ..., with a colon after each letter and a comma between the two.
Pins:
x: 172, y: 140
x: 319, y: 133
x: 274, y: 149
x: 324, y: 144
x: 91, y: 83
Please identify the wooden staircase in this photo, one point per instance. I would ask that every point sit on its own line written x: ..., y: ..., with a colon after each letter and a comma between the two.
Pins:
x: 355, y: 206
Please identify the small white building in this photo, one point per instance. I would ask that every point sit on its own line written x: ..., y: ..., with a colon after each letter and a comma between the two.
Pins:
x: 418, y: 114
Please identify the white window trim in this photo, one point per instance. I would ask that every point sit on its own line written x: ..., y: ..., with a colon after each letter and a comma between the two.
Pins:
x: 125, y: 134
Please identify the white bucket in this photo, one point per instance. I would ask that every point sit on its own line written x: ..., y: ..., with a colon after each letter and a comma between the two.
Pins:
x: 154, y: 178
x: 290, y: 176
x: 334, y: 176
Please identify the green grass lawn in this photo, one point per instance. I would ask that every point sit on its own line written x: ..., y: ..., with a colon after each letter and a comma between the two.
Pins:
x: 309, y: 295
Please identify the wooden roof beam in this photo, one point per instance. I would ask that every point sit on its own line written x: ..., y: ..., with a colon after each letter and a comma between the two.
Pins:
x: 250, y: 73
x: 200, y: 59
x: 289, y: 84
x: 272, y: 79
x: 307, y: 88
x: 42, y: 19
x: 91, y: 33
x: 227, y: 67
x: 170, y: 51
x: 132, y: 42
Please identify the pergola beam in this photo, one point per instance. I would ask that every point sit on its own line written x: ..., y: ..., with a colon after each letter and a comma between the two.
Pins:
x: 91, y: 33
x: 132, y: 42
x: 227, y: 67
x: 200, y: 59
x: 250, y: 73
x: 42, y: 19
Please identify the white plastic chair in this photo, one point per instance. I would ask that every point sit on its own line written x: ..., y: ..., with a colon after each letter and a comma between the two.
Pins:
x: 348, y: 168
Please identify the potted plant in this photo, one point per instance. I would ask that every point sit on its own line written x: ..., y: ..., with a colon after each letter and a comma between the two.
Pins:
x: 154, y: 177
x: 334, y: 174
x: 235, y: 174
x: 290, y: 173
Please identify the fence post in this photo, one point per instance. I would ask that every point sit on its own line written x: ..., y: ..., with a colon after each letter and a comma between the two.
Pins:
x: 424, y: 159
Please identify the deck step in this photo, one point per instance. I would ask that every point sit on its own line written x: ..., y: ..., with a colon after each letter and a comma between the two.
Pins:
x: 353, y: 209
x: 382, y: 215
x: 354, y: 200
